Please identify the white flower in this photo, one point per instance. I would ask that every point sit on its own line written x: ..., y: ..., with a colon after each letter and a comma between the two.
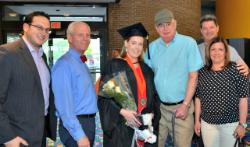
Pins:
x: 111, y: 84
x: 118, y: 89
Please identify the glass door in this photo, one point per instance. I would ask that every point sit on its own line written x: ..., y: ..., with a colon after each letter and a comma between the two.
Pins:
x: 56, y: 47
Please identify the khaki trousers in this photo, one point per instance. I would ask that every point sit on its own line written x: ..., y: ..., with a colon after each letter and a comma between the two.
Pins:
x: 184, y: 129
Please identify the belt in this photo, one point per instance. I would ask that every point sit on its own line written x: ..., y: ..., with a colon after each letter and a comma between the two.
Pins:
x: 86, y: 115
x: 171, y: 104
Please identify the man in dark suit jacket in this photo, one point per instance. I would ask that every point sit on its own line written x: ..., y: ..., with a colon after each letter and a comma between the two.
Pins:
x: 26, y: 100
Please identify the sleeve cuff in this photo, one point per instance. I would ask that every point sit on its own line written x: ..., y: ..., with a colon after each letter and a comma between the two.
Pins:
x: 77, y: 135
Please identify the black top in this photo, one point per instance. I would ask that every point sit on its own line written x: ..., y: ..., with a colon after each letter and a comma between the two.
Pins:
x: 220, y: 92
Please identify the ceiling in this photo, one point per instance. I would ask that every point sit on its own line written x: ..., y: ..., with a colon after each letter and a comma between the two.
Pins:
x: 93, y: 12
x: 71, y: 7
x: 60, y: 10
x: 62, y: 1
x: 15, y: 8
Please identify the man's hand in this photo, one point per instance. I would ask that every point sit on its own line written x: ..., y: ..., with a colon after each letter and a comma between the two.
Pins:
x: 16, y: 142
x: 83, y: 142
x: 181, y: 111
x: 243, y: 68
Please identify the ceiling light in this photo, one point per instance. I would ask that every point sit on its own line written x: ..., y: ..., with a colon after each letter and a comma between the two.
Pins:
x: 12, y: 14
x: 66, y: 14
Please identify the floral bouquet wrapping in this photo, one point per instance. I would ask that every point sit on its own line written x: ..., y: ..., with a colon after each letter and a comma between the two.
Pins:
x: 118, y: 88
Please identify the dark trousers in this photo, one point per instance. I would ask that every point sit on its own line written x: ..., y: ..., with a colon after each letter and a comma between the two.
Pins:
x: 45, y: 132
x: 88, y: 126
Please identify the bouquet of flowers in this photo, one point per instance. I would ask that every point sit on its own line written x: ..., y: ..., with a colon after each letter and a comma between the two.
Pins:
x: 118, y: 88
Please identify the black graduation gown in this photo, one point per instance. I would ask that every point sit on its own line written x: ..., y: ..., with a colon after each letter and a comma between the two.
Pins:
x: 116, y: 133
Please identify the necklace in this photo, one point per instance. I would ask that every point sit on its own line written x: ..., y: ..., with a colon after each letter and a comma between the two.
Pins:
x: 135, y: 62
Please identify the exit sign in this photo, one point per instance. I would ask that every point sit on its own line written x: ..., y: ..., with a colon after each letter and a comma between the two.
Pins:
x: 55, y: 25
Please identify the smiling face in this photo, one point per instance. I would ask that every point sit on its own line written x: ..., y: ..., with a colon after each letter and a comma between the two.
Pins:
x: 167, y: 30
x: 209, y: 30
x: 218, y: 53
x: 79, y: 38
x: 134, y: 46
x: 35, y: 32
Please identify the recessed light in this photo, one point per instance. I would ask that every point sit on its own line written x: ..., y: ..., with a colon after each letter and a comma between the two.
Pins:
x: 66, y: 14
x: 12, y: 14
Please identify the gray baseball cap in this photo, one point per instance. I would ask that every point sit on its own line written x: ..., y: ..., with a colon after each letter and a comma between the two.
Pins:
x: 163, y: 16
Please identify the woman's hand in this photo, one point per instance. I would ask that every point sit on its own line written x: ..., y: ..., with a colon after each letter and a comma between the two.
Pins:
x: 197, y: 128
x: 239, y: 131
x: 131, y: 117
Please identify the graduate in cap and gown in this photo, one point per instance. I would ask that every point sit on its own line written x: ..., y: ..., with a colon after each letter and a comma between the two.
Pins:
x: 140, y: 79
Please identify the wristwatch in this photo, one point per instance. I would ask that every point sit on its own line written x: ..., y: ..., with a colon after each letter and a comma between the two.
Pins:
x: 243, y: 125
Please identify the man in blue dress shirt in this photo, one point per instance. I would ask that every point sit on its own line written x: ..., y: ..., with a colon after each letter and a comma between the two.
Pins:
x: 75, y: 98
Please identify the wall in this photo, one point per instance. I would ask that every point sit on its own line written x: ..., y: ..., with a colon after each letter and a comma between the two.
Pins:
x: 187, y: 14
x: 233, y: 17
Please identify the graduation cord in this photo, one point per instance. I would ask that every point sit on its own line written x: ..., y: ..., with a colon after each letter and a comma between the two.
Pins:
x: 133, y: 140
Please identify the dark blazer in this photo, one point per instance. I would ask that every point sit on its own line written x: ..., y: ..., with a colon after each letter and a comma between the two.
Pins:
x: 116, y: 133
x: 21, y: 96
x: 51, y: 119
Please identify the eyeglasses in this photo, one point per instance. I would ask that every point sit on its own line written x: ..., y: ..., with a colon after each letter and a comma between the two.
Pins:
x: 40, y: 28
x: 163, y: 25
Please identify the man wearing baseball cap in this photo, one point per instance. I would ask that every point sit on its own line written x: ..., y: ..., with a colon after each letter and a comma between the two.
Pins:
x: 175, y: 60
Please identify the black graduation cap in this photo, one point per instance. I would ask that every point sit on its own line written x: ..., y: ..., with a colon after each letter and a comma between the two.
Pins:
x: 134, y: 30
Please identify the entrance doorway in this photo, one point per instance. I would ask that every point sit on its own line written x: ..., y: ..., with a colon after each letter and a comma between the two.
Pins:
x: 56, y: 47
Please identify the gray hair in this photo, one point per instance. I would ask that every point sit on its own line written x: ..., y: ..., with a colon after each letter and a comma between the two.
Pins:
x: 72, y: 26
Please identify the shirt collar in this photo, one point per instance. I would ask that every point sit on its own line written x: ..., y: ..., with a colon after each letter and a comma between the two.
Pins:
x: 75, y: 54
x: 173, y: 40
x: 32, y: 49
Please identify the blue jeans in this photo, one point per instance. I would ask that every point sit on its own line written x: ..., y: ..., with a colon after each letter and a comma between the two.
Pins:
x: 88, y: 126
